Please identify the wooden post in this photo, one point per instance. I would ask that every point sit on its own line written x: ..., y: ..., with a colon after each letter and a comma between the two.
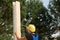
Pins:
x: 16, y: 19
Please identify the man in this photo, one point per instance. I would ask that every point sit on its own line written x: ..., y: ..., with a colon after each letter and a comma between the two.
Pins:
x: 18, y: 38
x: 30, y: 33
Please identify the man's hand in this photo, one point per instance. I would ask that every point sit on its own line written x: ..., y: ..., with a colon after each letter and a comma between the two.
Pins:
x: 18, y: 38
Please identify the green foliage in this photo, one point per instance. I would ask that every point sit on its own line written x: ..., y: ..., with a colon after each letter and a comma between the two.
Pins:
x: 40, y: 17
x: 42, y: 22
x: 58, y: 38
x: 4, y: 36
x: 23, y: 9
x: 38, y: 13
x: 54, y: 6
x: 55, y: 10
x: 6, y: 20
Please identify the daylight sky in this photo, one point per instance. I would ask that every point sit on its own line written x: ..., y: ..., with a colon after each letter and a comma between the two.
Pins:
x: 45, y: 2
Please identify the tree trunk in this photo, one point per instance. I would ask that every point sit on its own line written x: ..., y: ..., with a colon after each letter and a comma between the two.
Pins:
x: 16, y: 19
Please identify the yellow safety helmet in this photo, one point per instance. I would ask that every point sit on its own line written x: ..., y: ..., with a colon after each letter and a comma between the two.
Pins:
x: 31, y: 28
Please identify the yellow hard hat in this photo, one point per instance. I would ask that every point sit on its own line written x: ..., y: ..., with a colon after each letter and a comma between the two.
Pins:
x: 31, y: 28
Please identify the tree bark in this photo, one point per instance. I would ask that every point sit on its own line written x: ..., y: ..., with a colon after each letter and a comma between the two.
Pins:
x: 16, y: 20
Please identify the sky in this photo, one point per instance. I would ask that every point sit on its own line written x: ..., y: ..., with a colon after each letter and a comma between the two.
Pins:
x: 45, y: 3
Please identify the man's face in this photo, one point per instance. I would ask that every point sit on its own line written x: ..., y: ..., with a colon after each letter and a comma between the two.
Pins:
x: 28, y: 30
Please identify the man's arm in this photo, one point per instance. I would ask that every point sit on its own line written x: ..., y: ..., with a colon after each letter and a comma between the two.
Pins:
x: 18, y: 38
x: 17, y: 35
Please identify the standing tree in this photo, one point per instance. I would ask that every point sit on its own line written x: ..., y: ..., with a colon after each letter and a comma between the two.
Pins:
x: 6, y: 19
x: 40, y: 17
x: 54, y: 6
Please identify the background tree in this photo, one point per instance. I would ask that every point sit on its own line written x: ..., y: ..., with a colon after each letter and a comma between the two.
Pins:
x: 6, y: 28
x: 6, y: 19
x: 40, y: 17
x: 54, y: 6
x: 33, y: 9
x: 55, y: 11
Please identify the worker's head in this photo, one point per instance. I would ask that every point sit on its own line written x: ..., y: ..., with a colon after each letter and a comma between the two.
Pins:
x: 31, y: 28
